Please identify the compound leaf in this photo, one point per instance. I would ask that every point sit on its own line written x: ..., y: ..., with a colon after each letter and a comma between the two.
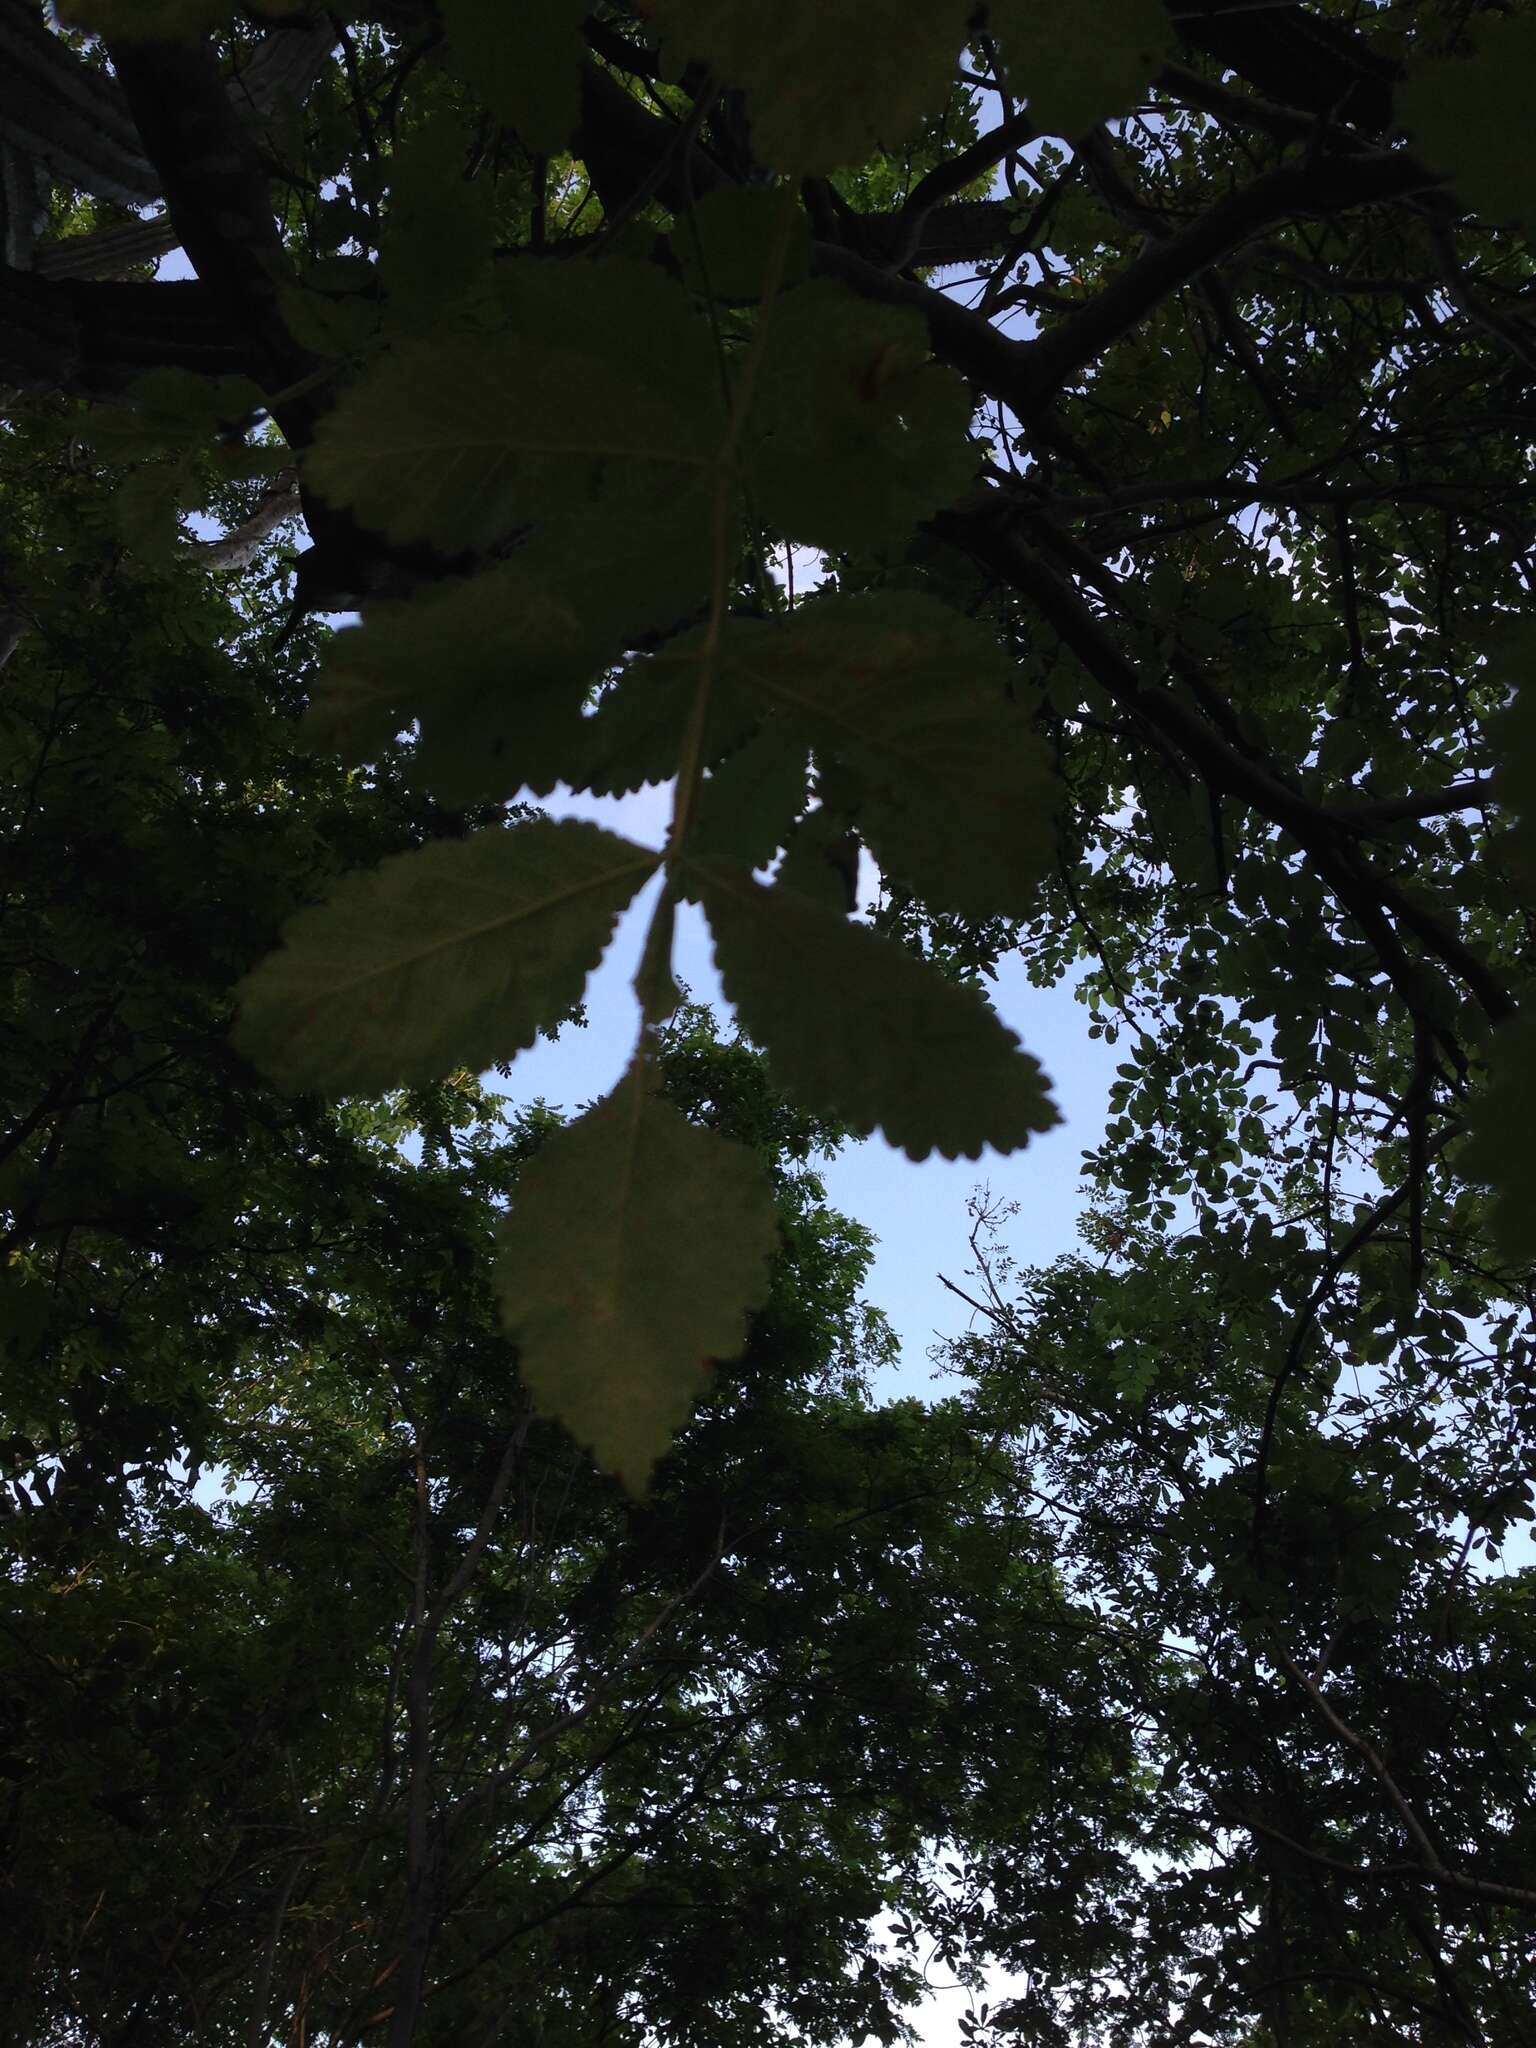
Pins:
x: 439, y: 234
x: 725, y: 243
x: 635, y: 1246
x: 455, y: 955
x: 636, y: 734
x: 821, y: 861
x: 748, y: 804
x: 956, y: 791
x: 888, y: 1043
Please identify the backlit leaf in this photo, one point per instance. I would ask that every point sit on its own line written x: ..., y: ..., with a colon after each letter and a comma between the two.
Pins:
x: 821, y: 861
x: 453, y: 956
x: 524, y: 60
x: 146, y: 510
x: 439, y: 233
x: 749, y: 802
x: 635, y: 1246
x: 1499, y: 1152
x: 494, y: 669
x: 890, y: 1044
x: 856, y: 434
x: 600, y: 400
x: 1471, y: 118
x: 1077, y: 66
x: 726, y: 244
x: 824, y: 85
x: 957, y: 792
x: 636, y: 734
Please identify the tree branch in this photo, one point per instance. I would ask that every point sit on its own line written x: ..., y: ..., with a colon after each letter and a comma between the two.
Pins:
x: 216, y: 195
x: 1418, y: 1834
x: 238, y: 548
x: 95, y: 338
x: 1369, y: 814
x: 988, y: 532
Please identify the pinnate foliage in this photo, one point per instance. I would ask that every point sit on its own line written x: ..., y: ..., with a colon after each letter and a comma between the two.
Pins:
x: 910, y: 698
x: 525, y: 62
x: 824, y: 89
x: 856, y: 433
x: 599, y: 384
x: 603, y: 414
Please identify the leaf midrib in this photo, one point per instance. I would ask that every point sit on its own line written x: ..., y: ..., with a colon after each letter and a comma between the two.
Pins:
x: 467, y: 935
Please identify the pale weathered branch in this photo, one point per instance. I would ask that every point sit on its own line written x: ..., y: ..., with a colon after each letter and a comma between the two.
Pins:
x: 238, y: 548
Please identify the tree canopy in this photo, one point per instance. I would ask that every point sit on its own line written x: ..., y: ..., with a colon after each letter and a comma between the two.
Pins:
x: 1076, y: 463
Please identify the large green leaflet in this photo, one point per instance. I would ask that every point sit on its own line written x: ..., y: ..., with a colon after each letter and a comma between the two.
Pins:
x: 439, y: 234
x: 636, y: 1244
x: 856, y: 432
x: 1471, y: 118
x: 1500, y: 1151
x: 748, y: 805
x: 598, y: 397
x: 958, y: 794
x: 1502, y: 1118
x: 727, y: 243
x: 824, y: 84
x: 501, y: 660
x: 890, y: 1044
x: 1081, y: 64
x: 457, y: 955
x: 635, y: 735
x: 525, y: 60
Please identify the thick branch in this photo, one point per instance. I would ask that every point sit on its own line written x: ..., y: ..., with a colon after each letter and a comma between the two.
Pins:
x: 63, y: 334
x: 56, y: 111
x: 1434, y: 1865
x: 238, y: 548
x: 1027, y: 375
x: 1310, y: 188
x: 1370, y: 813
x: 1295, y: 57
x: 216, y: 194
